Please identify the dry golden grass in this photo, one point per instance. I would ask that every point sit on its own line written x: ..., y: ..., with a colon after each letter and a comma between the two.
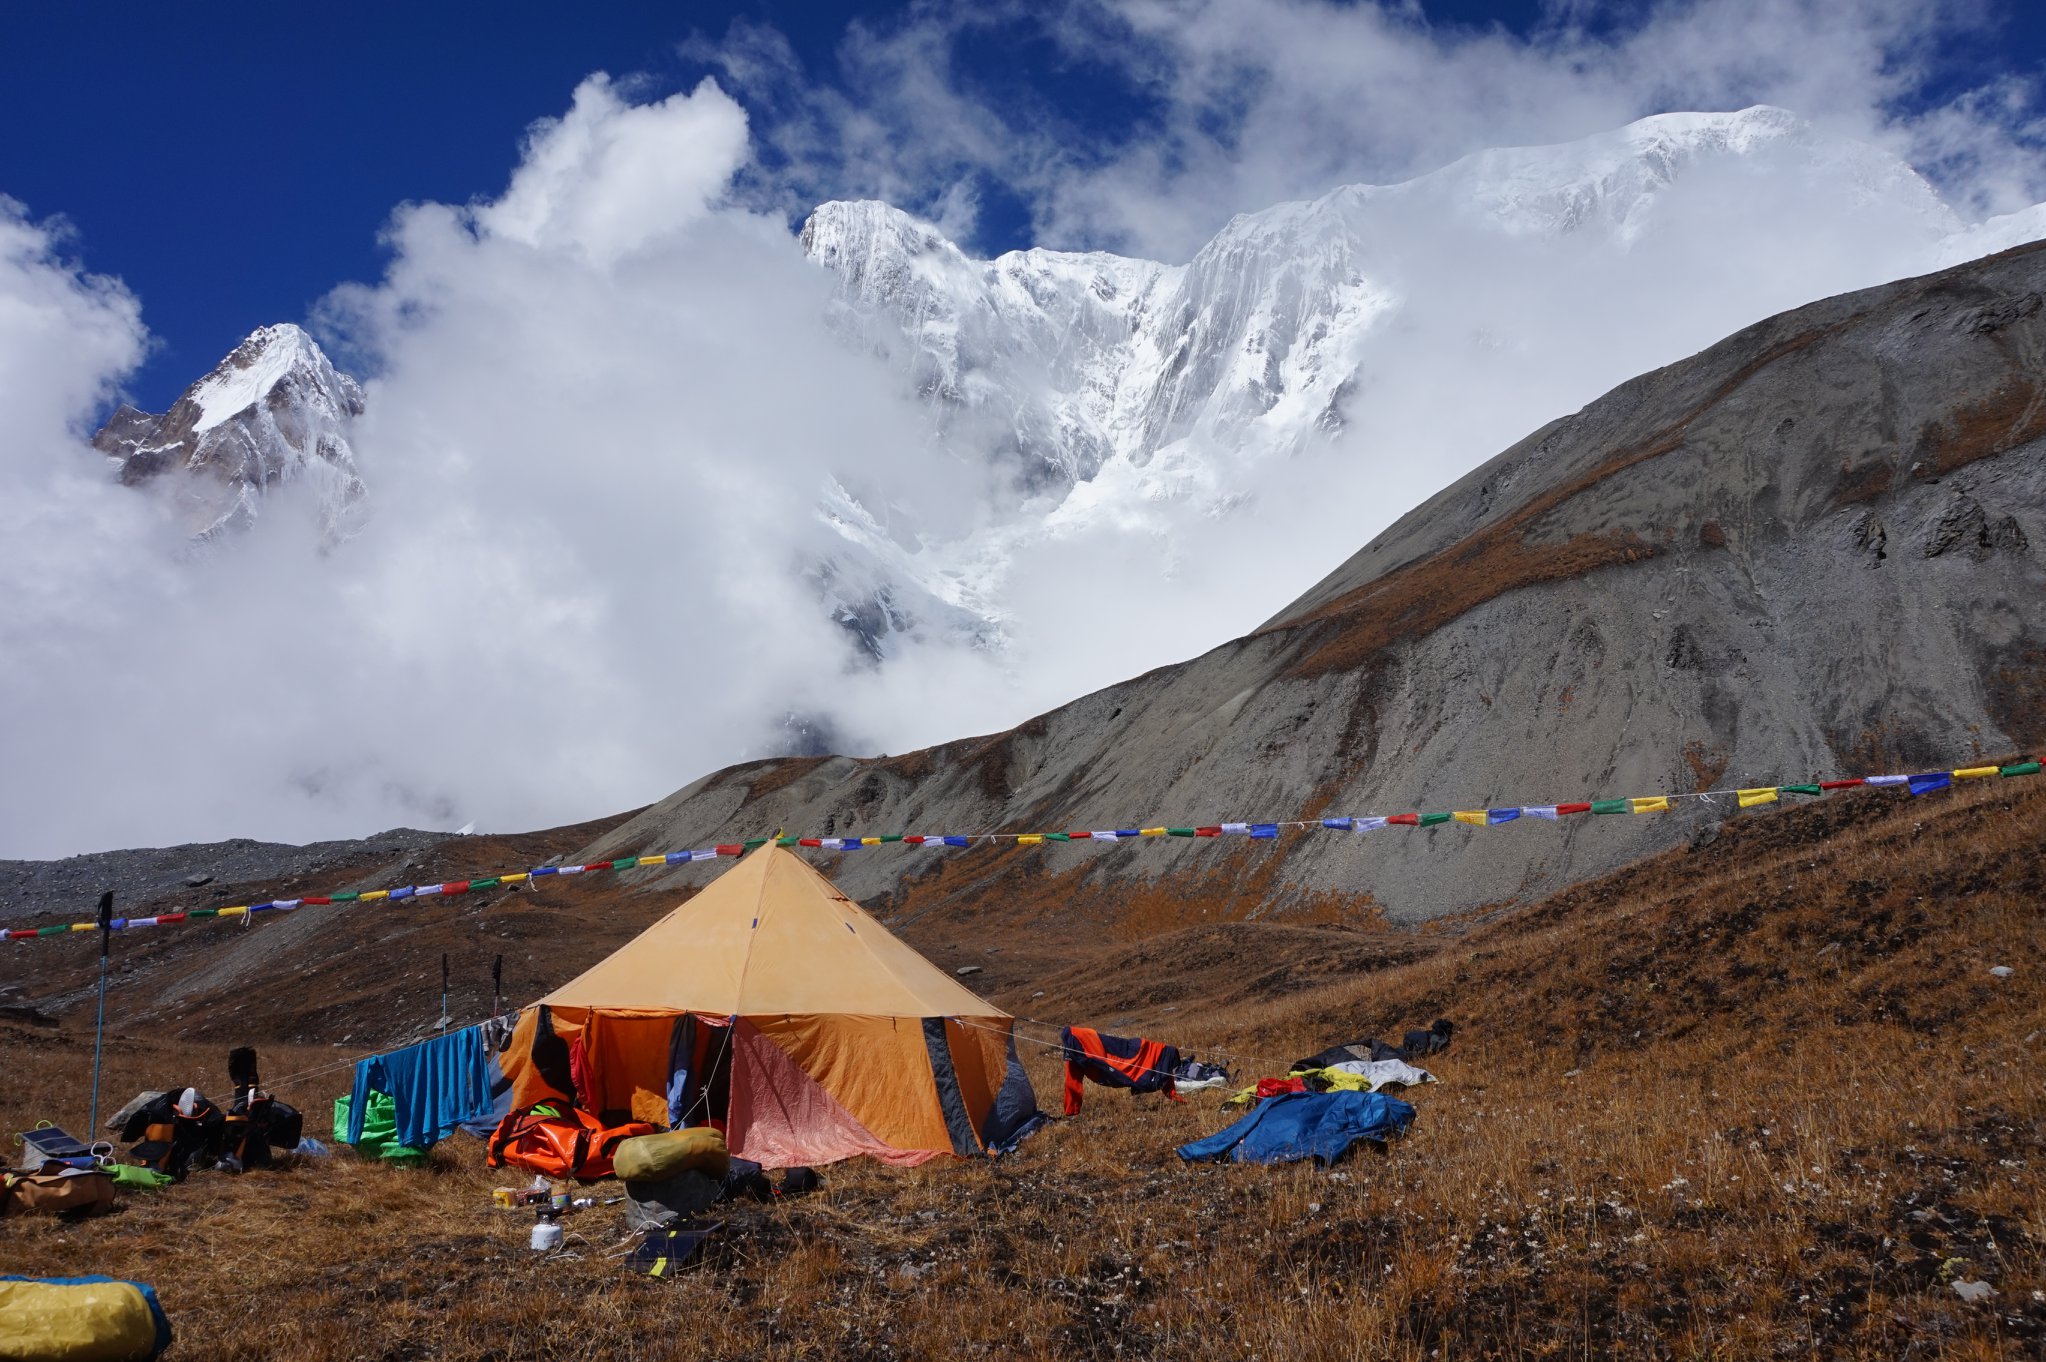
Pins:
x: 1758, y: 1099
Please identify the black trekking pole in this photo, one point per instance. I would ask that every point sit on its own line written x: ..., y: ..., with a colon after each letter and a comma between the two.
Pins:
x: 443, y: 990
x: 497, y: 986
x: 99, y: 1027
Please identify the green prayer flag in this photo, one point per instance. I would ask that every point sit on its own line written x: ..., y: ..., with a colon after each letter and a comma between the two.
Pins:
x: 490, y: 883
x: 51, y: 931
x: 204, y: 912
x: 785, y: 841
x: 1179, y: 832
x: 891, y: 836
x: 625, y: 863
x: 752, y: 842
x: 1058, y: 837
x: 2022, y: 768
x: 1800, y: 789
x: 349, y: 897
x: 1429, y: 820
x: 1609, y: 806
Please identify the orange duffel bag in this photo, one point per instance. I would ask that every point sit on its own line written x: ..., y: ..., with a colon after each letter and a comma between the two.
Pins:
x: 557, y: 1140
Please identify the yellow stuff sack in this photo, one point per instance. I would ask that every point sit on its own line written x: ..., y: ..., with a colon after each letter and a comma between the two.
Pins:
x: 80, y: 1319
x: 656, y: 1158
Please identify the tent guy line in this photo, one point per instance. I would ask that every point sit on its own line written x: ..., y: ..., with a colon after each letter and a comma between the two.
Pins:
x: 1746, y: 797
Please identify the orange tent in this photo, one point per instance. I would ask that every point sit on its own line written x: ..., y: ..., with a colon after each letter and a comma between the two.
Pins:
x: 773, y: 1006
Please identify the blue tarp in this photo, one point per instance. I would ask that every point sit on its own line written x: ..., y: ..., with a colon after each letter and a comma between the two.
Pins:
x: 1301, y: 1125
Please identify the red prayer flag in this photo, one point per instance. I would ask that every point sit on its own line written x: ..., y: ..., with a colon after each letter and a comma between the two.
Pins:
x: 1076, y: 836
x: 1839, y: 784
x: 731, y: 850
x: 1572, y: 808
x: 170, y: 917
x: 318, y: 900
x: 1208, y: 832
x: 1407, y: 819
x: 455, y: 887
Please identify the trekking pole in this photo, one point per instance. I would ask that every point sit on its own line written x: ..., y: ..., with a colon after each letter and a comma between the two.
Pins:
x: 99, y: 1027
x: 497, y: 986
x: 443, y: 990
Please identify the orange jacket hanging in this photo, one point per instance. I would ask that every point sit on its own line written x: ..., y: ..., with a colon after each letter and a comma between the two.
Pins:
x: 1116, y: 1062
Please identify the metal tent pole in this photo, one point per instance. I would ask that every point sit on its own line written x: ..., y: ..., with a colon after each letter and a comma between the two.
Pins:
x: 99, y: 1026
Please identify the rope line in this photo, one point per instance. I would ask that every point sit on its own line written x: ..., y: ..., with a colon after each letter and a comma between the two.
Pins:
x: 1482, y: 816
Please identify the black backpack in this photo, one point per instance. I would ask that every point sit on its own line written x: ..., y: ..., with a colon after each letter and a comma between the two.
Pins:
x: 168, y: 1142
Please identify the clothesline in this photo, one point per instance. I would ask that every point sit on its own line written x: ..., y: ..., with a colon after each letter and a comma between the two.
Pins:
x: 1745, y: 797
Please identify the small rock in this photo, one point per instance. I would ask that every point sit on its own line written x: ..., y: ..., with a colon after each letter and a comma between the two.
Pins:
x: 2002, y: 971
x: 965, y: 970
x: 194, y: 881
x: 1038, y: 994
x: 1974, y: 1291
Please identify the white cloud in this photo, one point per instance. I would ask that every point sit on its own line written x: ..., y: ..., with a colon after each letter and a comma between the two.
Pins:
x: 600, y: 418
x: 610, y: 176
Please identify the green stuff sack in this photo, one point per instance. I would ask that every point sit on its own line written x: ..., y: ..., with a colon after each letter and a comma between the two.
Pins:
x: 669, y: 1153
x: 130, y: 1178
x: 379, y: 1130
x: 80, y: 1319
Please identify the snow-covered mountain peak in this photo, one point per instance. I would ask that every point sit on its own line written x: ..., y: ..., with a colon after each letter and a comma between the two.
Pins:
x: 282, y: 354
x: 274, y: 411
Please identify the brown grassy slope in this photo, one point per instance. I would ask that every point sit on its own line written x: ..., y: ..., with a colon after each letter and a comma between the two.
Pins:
x: 1757, y: 1099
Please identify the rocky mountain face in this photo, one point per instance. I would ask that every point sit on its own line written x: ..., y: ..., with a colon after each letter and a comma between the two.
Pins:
x: 1813, y: 549
x: 275, y: 411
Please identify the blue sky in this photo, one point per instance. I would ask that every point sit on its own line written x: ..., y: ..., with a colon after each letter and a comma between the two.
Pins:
x: 234, y: 163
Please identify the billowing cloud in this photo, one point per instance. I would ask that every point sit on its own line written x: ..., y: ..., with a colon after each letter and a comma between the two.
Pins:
x: 601, y: 414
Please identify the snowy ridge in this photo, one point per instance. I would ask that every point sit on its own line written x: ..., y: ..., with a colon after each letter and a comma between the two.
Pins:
x: 1109, y: 385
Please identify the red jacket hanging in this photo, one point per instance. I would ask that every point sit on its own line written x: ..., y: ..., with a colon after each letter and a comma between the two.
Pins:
x: 1116, y: 1062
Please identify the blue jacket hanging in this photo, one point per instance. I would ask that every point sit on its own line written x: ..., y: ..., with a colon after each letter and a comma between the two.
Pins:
x: 436, y: 1085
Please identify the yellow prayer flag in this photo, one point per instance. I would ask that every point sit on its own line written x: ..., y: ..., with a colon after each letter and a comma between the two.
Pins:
x: 644, y: 860
x: 1765, y: 794
x: 870, y: 841
x: 1976, y: 772
x: 510, y: 879
x: 1152, y: 832
x: 1475, y: 817
x: 374, y: 894
x: 1029, y: 839
x: 1649, y: 804
x: 234, y: 912
x: 85, y: 926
